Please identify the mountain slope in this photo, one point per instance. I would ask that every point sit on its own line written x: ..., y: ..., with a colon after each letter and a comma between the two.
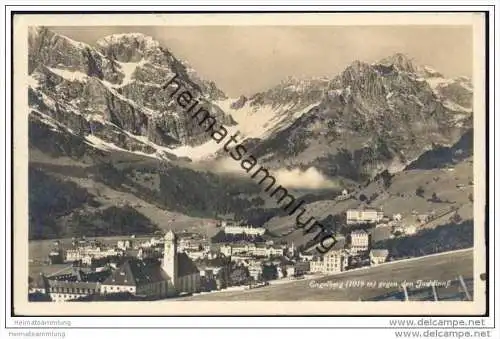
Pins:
x: 269, y: 111
x: 373, y: 117
x: 106, y: 136
x: 113, y: 93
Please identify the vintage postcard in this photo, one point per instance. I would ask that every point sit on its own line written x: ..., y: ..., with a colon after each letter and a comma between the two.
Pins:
x: 249, y: 164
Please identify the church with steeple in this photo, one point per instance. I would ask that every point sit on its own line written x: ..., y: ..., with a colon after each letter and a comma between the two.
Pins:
x: 181, y: 272
x: 175, y: 274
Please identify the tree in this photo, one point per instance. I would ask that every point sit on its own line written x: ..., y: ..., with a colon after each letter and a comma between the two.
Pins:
x: 283, y: 271
x: 435, y: 198
x: 471, y: 197
x: 269, y: 272
x: 362, y: 197
x: 372, y: 197
x: 420, y: 191
x: 220, y: 279
x: 334, y: 222
x: 386, y: 179
x: 447, y: 237
x: 456, y: 218
x: 239, y: 276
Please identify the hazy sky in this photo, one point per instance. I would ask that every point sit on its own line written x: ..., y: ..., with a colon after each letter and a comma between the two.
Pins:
x: 248, y: 59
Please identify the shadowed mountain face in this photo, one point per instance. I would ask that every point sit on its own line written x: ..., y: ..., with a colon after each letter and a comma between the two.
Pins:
x: 442, y: 156
x: 372, y: 117
x: 113, y: 92
x: 369, y: 118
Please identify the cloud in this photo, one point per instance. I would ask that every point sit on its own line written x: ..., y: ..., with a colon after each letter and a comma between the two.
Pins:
x: 310, y: 178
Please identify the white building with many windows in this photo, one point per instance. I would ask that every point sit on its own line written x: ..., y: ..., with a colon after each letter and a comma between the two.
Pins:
x: 355, y: 216
x: 252, y: 249
x: 360, y: 241
x: 243, y: 229
x: 334, y: 261
x: 378, y: 256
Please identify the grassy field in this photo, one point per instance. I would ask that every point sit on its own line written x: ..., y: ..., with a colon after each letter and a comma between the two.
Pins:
x: 400, y: 197
x: 442, y: 267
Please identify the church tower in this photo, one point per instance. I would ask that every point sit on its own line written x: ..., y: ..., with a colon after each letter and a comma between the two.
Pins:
x: 170, y: 264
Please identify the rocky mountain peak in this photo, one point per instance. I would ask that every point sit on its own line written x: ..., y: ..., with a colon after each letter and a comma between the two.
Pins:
x: 401, y: 62
x: 112, y: 92
x: 239, y: 103
x: 372, y: 115
x: 128, y: 47
x: 357, y: 69
x: 358, y: 66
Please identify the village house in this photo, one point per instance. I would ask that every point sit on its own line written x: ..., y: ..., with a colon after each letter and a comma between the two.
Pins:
x: 69, y: 286
x: 360, y: 241
x: 378, y: 256
x: 290, y: 270
x: 398, y: 229
x: 149, y: 252
x: 297, y: 269
x: 87, y: 260
x: 343, y: 196
x: 39, y: 284
x: 56, y: 256
x: 78, y: 253
x: 255, y: 270
x: 334, y: 261
x: 291, y: 251
x: 192, y: 242
x: 410, y: 229
x: 404, y: 229
x: 423, y: 218
x: 214, y: 272
x: 251, y: 249
x: 195, y: 254
x: 281, y: 271
x: 260, y: 250
x: 397, y: 217
x: 124, y: 244
x: 137, y: 277
x: 306, y: 256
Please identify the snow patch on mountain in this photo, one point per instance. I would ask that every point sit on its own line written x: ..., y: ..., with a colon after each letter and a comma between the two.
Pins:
x: 252, y: 122
x: 434, y: 82
x: 205, y: 151
x: 453, y: 106
x: 54, y: 125
x: 261, y: 121
x: 33, y: 82
x: 128, y: 69
x: 99, y: 143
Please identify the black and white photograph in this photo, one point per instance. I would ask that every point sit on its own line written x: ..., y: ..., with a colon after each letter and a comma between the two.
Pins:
x: 248, y: 165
